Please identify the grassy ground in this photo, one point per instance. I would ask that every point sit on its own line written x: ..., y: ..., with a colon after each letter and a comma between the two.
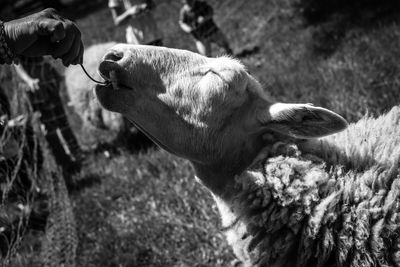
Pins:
x: 145, y: 208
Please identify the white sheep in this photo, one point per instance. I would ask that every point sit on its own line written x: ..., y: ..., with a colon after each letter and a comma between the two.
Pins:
x: 287, y: 195
x: 79, y: 88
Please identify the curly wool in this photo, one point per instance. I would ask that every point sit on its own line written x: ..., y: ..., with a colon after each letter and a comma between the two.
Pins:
x: 332, y: 202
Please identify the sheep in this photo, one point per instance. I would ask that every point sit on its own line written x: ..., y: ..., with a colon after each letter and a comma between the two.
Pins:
x: 79, y: 88
x: 295, y: 185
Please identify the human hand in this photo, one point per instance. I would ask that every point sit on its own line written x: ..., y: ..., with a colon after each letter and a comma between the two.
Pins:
x: 17, y: 121
x: 45, y: 33
x: 135, y: 10
x: 33, y: 85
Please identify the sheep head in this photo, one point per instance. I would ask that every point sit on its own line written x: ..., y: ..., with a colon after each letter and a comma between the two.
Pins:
x: 208, y: 110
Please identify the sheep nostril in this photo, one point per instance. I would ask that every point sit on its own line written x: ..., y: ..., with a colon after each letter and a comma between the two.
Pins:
x: 114, y: 56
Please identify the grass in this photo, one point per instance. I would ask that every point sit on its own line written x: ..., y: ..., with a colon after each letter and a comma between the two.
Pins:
x: 145, y: 208
x: 149, y: 212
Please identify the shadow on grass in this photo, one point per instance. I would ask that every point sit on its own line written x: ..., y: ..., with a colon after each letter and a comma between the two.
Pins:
x: 111, y: 248
x: 332, y: 19
x: 135, y: 142
x: 115, y: 251
x: 87, y: 181
x: 131, y: 142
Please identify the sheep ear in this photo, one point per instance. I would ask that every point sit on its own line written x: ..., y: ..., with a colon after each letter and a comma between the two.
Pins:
x: 304, y: 120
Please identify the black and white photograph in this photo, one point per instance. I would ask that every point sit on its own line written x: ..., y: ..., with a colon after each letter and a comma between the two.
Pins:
x: 200, y: 133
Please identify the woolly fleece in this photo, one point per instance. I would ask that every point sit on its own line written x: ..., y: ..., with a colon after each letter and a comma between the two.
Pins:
x: 328, y: 202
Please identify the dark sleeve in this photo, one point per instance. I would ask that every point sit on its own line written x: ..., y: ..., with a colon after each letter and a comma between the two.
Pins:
x: 5, y: 107
x: 150, y: 4
x: 206, y: 9
x: 182, y: 15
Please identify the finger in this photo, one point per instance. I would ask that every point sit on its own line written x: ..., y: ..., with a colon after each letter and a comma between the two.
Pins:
x: 79, y: 58
x: 73, y: 52
x: 51, y: 12
x: 61, y: 48
x: 82, y: 55
x: 70, y: 56
x: 56, y: 29
x: 58, y: 32
x: 58, y: 35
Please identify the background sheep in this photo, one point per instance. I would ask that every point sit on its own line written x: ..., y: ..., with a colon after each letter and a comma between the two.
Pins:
x: 281, y: 192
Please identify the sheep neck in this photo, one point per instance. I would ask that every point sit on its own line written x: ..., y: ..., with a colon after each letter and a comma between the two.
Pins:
x: 293, y: 202
x: 267, y: 203
x: 344, y: 212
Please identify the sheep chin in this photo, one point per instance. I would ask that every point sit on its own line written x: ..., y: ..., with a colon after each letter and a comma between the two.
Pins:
x: 115, y: 84
x: 113, y: 80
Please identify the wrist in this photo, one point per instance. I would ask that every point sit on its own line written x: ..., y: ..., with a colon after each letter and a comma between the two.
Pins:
x: 8, y: 34
x: 7, y: 54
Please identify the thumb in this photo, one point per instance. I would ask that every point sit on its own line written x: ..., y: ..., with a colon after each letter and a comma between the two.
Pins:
x: 55, y: 29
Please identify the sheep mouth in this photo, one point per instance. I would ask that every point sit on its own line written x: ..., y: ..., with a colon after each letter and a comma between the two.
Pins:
x: 112, y: 95
x: 111, y: 72
x: 112, y: 102
x: 112, y: 81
